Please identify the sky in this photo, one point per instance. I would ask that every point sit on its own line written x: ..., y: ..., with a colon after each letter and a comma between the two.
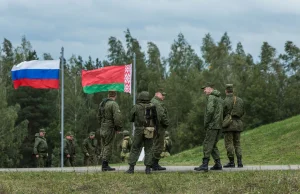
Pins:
x: 83, y: 27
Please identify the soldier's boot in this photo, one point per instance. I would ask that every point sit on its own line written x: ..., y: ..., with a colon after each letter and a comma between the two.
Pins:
x: 203, y: 166
x: 156, y: 166
x: 217, y: 166
x: 106, y: 167
x: 239, y: 162
x: 148, y: 170
x: 230, y: 164
x: 130, y: 170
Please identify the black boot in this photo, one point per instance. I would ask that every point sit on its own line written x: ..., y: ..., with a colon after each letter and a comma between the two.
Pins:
x: 239, y: 162
x: 203, y: 166
x: 230, y: 163
x: 130, y: 170
x: 106, y: 167
x: 156, y: 166
x: 148, y: 170
x: 217, y: 166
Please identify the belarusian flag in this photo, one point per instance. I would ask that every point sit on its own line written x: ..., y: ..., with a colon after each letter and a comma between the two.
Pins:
x: 107, y: 78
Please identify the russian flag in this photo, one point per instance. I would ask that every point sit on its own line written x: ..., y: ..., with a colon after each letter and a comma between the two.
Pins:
x: 36, y: 74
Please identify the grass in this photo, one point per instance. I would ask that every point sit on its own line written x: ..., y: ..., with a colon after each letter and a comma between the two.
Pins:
x: 215, y: 182
x: 277, y: 143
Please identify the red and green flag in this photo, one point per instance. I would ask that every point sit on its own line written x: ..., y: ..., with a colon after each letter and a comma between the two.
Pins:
x: 107, y: 78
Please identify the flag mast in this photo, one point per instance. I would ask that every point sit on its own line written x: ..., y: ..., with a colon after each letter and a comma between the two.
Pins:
x: 62, y: 107
x: 134, y: 86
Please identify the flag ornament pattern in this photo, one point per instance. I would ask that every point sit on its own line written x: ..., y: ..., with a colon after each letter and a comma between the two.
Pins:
x: 36, y: 74
x: 107, y: 78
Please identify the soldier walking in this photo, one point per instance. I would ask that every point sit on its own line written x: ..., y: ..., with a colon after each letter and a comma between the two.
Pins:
x: 69, y: 150
x: 125, y: 146
x: 90, y: 150
x: 40, y: 149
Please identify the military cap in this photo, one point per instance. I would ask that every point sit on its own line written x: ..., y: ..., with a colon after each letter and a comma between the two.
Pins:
x: 42, y: 130
x: 161, y: 90
x: 143, y: 96
x: 125, y: 133
x: 92, y: 133
x: 112, y: 93
x: 208, y: 84
x: 229, y: 87
x: 69, y: 133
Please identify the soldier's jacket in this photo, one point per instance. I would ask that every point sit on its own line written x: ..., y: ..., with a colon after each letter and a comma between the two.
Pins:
x: 162, y: 113
x: 112, y: 117
x: 126, y: 144
x: 40, y: 145
x: 167, y: 144
x: 214, y: 111
x: 90, y: 146
x: 137, y: 114
x: 238, y: 111
x: 69, y: 147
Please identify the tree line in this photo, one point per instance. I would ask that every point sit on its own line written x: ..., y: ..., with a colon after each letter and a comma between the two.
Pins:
x: 270, y: 89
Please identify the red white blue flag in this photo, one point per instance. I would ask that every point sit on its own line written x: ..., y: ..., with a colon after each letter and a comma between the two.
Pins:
x: 36, y: 74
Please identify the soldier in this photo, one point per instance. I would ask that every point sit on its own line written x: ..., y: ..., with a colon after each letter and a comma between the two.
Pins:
x: 163, y: 123
x: 90, y: 150
x: 212, y: 124
x: 40, y: 149
x: 167, y: 146
x: 109, y: 117
x: 144, y: 116
x: 125, y: 146
x: 234, y: 108
x: 69, y: 150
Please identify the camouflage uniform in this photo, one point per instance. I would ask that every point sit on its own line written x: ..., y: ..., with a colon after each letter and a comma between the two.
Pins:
x: 41, y: 148
x: 110, y: 121
x: 137, y: 115
x: 167, y: 146
x: 212, y: 124
x: 163, y: 123
x: 90, y: 150
x: 125, y: 146
x: 235, y: 106
x: 69, y: 149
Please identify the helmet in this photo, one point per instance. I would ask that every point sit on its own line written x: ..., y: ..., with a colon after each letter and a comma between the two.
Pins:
x: 125, y: 133
x: 143, y: 96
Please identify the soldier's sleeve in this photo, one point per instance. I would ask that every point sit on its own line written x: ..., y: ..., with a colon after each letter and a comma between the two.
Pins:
x: 209, y: 111
x: 66, y: 150
x: 99, y: 116
x: 162, y: 115
x: 117, y: 116
x: 84, y: 149
x: 36, y: 144
x: 225, y: 107
x: 132, y: 114
x: 124, y: 144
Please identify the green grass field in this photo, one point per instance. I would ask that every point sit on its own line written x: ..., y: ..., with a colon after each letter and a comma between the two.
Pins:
x: 277, y: 143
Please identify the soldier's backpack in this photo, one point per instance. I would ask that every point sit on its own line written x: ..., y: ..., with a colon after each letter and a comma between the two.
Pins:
x: 150, y: 120
x: 101, y: 113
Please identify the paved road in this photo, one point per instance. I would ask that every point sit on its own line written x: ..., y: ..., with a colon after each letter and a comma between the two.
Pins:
x: 142, y: 168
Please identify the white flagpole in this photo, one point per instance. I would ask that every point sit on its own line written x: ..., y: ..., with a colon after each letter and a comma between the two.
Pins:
x: 62, y: 107
x: 134, y: 86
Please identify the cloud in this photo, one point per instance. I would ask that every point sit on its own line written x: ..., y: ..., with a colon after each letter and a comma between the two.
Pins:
x: 83, y: 27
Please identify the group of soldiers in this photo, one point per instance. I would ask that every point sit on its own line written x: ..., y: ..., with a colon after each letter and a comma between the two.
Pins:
x: 150, y: 118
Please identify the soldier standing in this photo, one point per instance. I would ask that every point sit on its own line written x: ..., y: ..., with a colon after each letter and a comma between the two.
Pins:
x: 163, y: 123
x: 125, y: 146
x: 69, y: 150
x: 212, y: 124
x: 109, y: 117
x: 40, y: 149
x: 167, y: 146
x: 144, y: 116
x: 90, y: 150
x: 234, y: 108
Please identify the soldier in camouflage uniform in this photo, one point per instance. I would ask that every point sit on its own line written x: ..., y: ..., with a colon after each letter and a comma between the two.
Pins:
x: 167, y: 146
x: 109, y: 117
x: 40, y: 149
x: 163, y: 123
x: 212, y: 124
x: 142, y: 137
x: 125, y: 146
x: 69, y: 150
x: 235, y: 106
x: 90, y: 150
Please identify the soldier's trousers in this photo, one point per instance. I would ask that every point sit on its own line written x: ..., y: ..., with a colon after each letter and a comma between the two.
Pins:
x: 68, y: 162
x: 232, y: 143
x: 210, y: 144
x: 107, y: 136
x: 138, y: 142
x: 158, y: 143
x: 90, y: 160
x: 41, y: 160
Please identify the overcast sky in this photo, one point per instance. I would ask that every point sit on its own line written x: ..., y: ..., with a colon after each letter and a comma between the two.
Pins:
x: 84, y: 26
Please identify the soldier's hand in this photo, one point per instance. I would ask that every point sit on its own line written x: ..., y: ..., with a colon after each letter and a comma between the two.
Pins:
x: 68, y: 155
x: 87, y: 154
x: 37, y: 155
